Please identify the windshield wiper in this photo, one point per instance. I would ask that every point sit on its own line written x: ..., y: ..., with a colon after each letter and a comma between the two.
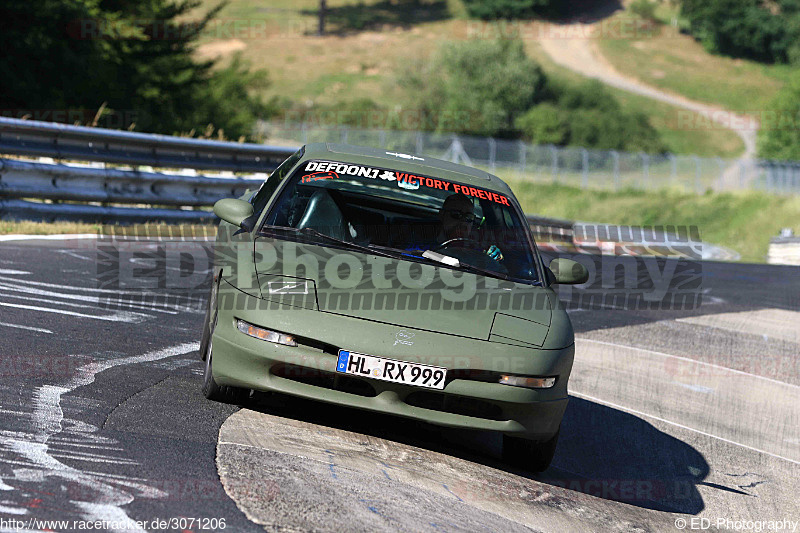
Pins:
x: 315, y: 233
x: 484, y: 271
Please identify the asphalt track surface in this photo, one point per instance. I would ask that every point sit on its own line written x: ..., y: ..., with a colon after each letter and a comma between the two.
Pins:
x: 674, y: 415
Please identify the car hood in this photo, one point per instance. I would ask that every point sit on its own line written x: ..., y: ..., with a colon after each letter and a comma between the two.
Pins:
x: 401, y: 293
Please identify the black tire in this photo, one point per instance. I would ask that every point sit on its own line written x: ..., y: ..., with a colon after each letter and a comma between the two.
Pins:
x: 529, y: 455
x: 211, y: 311
x: 221, y: 393
x: 211, y: 390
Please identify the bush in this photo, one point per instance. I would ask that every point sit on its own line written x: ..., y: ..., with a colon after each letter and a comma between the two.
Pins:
x: 587, y: 115
x: 779, y: 136
x: 503, y: 9
x: 492, y: 88
x: 645, y: 9
x: 613, y: 131
x: 746, y: 28
x: 477, y: 87
x: 544, y: 124
x: 590, y: 94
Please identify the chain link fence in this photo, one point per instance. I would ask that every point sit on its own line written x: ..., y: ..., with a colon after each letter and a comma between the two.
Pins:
x: 579, y: 167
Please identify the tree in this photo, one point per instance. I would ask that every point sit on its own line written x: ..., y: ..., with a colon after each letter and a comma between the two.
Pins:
x: 504, y: 9
x: 135, y: 56
x: 477, y: 86
x: 587, y: 115
x: 321, y: 17
x: 779, y: 136
x: 752, y: 29
x: 544, y: 124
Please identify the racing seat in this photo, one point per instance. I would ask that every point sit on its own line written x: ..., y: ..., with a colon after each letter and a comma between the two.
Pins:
x: 323, y: 215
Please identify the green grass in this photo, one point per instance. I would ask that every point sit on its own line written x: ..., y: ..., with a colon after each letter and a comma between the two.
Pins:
x: 25, y: 227
x: 743, y: 222
x: 676, y: 62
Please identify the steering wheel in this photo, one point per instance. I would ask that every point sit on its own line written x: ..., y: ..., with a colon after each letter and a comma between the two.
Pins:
x: 475, y: 244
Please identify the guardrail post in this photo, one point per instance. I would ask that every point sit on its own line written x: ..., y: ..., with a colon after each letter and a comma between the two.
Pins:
x: 721, y: 177
x: 304, y: 132
x: 697, y: 186
x: 554, y: 153
x: 584, y: 168
x: 344, y: 134
x: 492, y: 152
x: 615, y: 157
x: 673, y: 169
x: 742, y: 170
x: 768, y: 170
x: 784, y: 177
x: 645, y: 170
x: 419, y: 143
x: 523, y: 156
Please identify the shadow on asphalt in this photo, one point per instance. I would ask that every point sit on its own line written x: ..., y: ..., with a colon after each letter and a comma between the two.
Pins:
x: 602, y: 452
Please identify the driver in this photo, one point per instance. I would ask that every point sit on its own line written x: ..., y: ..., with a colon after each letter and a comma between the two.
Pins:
x: 457, y: 219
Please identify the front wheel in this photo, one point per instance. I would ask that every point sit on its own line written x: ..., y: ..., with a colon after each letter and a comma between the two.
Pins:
x: 220, y: 393
x: 529, y: 455
x: 212, y: 391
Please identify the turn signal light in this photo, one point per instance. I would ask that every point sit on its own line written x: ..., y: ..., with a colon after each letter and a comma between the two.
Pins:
x: 265, y: 334
x: 531, y: 383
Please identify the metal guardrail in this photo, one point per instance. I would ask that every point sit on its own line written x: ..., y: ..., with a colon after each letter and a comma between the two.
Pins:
x: 23, y: 210
x: 22, y: 179
x: 80, y: 143
x: 99, y: 190
x: 88, y: 193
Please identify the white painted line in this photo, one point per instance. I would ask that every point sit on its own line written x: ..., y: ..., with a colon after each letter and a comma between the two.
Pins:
x: 48, y: 418
x: 696, y: 388
x: 73, y: 457
x: 664, y: 420
x: 83, y: 298
x: 13, y: 510
x: 117, y: 238
x: 689, y: 359
x: 102, y: 447
x: 63, y: 237
x: 29, y: 328
x: 12, y: 272
x: 92, y: 289
x: 110, y: 318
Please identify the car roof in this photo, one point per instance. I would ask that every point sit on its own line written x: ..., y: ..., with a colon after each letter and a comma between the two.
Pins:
x: 427, y: 166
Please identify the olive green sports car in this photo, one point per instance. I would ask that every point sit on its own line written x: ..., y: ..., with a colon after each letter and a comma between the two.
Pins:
x: 392, y: 283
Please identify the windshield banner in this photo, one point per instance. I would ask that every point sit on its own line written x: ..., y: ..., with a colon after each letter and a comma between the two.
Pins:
x: 332, y: 170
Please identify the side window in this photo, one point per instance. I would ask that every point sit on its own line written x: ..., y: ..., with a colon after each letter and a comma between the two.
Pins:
x: 267, y: 189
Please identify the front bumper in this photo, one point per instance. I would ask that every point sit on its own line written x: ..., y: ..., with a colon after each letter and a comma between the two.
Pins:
x: 308, y: 370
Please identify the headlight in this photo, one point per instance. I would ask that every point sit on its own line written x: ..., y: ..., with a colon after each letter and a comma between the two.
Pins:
x: 531, y: 383
x: 265, y: 334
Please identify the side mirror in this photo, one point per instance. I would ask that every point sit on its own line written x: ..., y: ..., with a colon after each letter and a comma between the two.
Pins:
x: 568, y: 272
x: 233, y: 210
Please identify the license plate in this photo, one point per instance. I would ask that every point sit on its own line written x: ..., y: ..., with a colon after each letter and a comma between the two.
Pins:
x: 369, y: 366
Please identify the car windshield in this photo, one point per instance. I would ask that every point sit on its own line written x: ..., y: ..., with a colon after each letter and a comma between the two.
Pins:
x: 409, y: 216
